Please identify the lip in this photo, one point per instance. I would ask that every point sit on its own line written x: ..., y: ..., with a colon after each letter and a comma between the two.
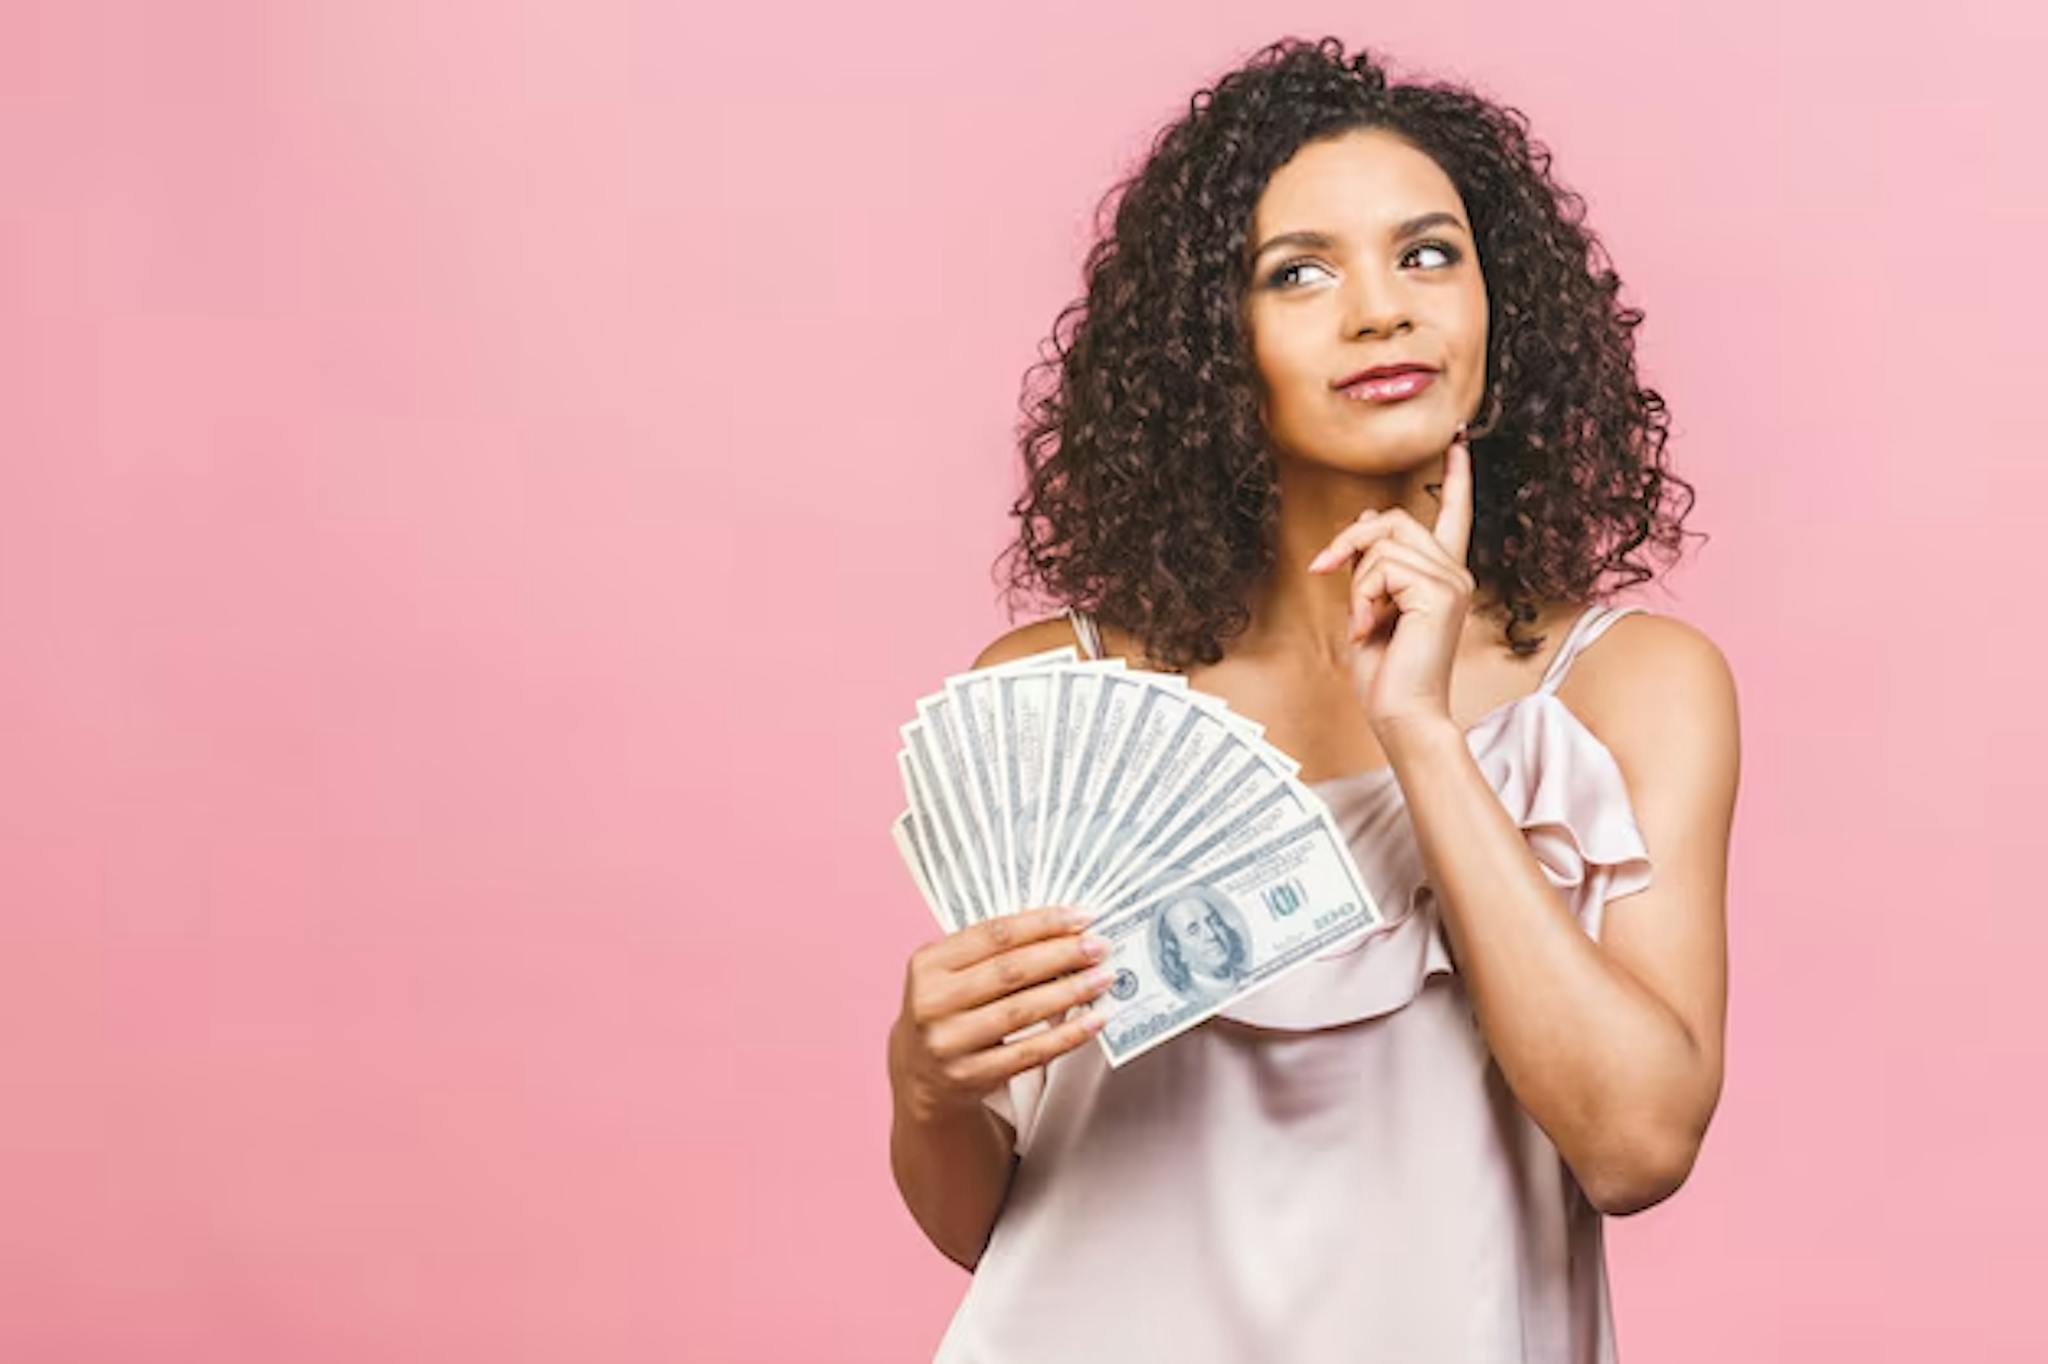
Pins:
x: 1387, y: 384
x: 1381, y: 372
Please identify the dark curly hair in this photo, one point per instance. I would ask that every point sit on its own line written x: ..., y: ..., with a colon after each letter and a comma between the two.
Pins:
x: 1150, y: 494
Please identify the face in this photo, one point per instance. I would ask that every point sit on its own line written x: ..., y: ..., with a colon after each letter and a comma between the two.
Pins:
x: 1200, y: 934
x: 1364, y: 273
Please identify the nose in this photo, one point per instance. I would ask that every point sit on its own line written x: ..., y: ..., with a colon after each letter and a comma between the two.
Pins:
x: 1374, y: 306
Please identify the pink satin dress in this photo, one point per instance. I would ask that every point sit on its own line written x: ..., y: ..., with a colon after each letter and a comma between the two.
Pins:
x: 1333, y: 1169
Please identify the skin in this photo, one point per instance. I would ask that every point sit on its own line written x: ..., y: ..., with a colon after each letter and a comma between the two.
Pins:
x: 1369, y: 648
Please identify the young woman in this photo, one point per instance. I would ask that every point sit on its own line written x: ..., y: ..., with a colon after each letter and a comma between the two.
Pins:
x: 1349, y: 432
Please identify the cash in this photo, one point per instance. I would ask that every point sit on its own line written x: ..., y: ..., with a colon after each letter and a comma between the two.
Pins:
x: 1211, y: 869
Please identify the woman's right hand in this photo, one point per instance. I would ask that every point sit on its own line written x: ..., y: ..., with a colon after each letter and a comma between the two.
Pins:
x: 964, y: 993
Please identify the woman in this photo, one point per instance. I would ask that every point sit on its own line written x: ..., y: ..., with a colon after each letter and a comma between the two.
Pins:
x: 1349, y: 432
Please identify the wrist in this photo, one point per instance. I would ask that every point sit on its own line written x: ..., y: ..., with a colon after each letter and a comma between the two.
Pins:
x: 914, y: 1099
x: 922, y: 1107
x: 1421, y: 740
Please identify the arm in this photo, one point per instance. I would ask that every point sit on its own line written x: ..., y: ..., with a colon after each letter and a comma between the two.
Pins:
x: 952, y: 1157
x: 962, y: 996
x: 952, y: 1169
x: 1613, y: 1047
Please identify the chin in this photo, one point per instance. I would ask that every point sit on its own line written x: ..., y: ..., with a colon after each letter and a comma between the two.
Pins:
x: 1392, y: 454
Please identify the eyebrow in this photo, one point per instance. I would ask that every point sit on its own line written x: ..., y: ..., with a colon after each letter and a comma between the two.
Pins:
x: 1323, y: 241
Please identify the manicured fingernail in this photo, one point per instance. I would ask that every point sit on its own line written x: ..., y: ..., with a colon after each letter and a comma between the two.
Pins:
x: 1093, y: 1022
x: 1098, y: 978
x: 1095, y: 946
x: 1076, y: 916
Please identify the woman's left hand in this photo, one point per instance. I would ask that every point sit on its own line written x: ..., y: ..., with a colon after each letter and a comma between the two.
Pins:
x: 1410, y: 592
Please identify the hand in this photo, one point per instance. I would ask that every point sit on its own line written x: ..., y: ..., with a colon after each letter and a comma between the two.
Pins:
x: 964, y: 993
x: 1410, y: 592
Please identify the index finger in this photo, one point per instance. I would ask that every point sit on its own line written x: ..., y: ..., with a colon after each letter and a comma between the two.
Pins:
x: 1453, y: 527
x: 978, y: 942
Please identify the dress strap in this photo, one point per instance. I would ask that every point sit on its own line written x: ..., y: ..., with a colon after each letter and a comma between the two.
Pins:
x: 1591, y: 624
x: 1086, y: 631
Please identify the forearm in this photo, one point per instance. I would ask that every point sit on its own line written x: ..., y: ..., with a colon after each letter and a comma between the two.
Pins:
x: 1602, y: 1065
x: 953, y: 1170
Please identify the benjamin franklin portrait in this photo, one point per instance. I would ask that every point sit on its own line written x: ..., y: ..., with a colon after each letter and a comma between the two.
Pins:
x: 1200, y: 944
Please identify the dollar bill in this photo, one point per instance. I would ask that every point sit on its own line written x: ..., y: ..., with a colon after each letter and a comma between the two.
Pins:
x: 1071, y: 709
x: 1195, y: 759
x: 953, y: 773
x: 1252, y: 803
x: 1191, y: 948
x: 1053, y: 779
x: 920, y: 869
x: 1115, y: 703
x: 1136, y: 749
x: 933, y: 809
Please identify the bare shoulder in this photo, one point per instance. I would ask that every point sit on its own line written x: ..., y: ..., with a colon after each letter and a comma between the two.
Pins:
x: 1658, y: 692
x: 1055, y: 632
x: 1647, y: 655
x: 1033, y: 638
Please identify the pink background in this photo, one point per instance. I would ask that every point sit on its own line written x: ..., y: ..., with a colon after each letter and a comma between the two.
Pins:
x: 481, y: 484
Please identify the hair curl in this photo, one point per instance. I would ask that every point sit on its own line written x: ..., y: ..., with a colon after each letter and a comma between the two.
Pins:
x: 1150, y: 494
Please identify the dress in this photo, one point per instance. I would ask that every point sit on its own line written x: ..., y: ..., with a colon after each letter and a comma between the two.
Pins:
x: 1334, y: 1169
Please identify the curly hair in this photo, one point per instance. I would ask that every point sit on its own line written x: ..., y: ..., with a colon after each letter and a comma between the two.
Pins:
x: 1150, y: 492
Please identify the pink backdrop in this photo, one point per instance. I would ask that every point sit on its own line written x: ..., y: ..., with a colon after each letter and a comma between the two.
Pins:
x: 482, y: 483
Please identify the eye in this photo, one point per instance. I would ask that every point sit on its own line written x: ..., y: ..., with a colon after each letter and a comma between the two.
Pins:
x: 1277, y: 278
x: 1452, y: 255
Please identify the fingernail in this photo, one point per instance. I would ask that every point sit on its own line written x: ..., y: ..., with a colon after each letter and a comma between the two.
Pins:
x: 1093, y: 1022
x: 1076, y: 916
x: 1095, y: 946
x: 1098, y: 978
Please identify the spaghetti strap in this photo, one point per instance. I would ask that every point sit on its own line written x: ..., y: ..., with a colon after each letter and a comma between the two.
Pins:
x: 1086, y: 631
x: 1591, y: 624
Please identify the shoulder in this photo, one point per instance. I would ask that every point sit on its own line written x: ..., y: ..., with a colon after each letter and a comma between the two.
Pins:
x: 1648, y: 657
x: 1660, y: 694
x: 1036, y: 637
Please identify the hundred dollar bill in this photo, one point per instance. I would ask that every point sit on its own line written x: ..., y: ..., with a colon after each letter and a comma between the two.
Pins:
x: 1022, y: 701
x: 920, y: 872
x: 978, y: 702
x: 974, y: 724
x: 1253, y: 802
x: 1071, y: 709
x: 954, y: 770
x: 1191, y: 761
x: 1115, y: 702
x: 1137, y: 773
x: 934, y: 813
x: 1192, y: 948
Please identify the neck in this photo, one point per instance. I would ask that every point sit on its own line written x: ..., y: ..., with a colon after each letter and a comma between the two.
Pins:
x: 1308, y: 615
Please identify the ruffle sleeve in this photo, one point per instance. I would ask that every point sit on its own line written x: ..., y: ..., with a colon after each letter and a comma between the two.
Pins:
x: 1563, y: 788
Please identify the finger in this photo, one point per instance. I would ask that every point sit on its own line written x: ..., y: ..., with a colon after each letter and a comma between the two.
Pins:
x: 1397, y: 525
x: 1393, y: 522
x: 1017, y: 969
x: 977, y: 942
x: 990, y: 1068
x: 1453, y: 528
x: 1389, y: 568
x: 977, y: 1029
x: 1368, y: 527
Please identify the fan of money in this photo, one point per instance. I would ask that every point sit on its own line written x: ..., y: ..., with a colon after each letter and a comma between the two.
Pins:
x: 1211, y: 870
